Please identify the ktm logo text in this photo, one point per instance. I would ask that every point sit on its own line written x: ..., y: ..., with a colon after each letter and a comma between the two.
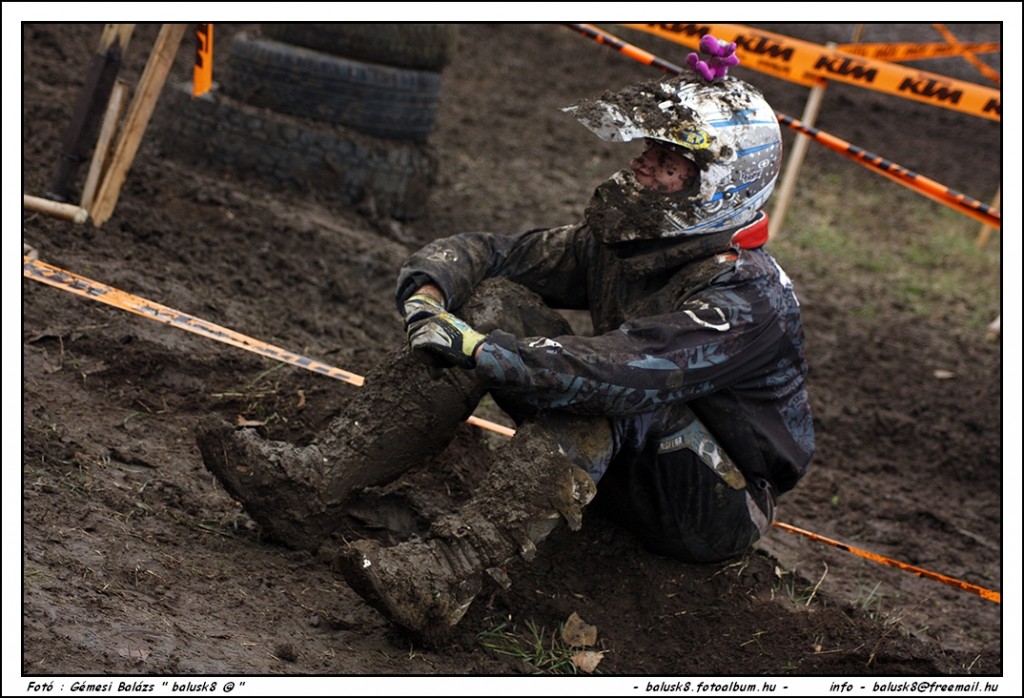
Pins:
x: 846, y: 67
x: 684, y: 28
x: 931, y: 89
x: 764, y: 46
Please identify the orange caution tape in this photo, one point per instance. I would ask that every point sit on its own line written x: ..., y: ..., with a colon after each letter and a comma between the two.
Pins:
x: 805, y: 63
x: 626, y: 49
x: 202, y: 71
x: 988, y: 594
x: 94, y: 290
x: 968, y: 55
x: 935, y: 191
x: 901, y: 53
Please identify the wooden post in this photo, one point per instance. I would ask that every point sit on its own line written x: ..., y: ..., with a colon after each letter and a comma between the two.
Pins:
x: 796, y: 159
x: 986, y: 230
x: 94, y: 95
x: 101, y: 154
x: 800, y: 144
x: 994, y: 329
x: 57, y: 209
x: 139, y: 112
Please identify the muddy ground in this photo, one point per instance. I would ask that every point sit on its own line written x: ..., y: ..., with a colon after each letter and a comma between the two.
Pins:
x: 135, y: 561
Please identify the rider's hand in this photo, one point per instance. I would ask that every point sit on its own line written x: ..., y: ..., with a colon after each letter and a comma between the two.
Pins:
x: 444, y: 337
x: 419, y: 307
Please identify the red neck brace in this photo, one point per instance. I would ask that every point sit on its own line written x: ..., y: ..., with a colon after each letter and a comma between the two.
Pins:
x: 753, y: 234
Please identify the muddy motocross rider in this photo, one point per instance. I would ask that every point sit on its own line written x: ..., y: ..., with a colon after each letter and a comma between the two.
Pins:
x: 685, y: 411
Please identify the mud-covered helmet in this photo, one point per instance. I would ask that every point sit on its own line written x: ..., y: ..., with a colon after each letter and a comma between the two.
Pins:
x: 725, y: 127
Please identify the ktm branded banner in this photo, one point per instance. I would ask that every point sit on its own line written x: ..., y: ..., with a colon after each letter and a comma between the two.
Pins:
x: 805, y: 63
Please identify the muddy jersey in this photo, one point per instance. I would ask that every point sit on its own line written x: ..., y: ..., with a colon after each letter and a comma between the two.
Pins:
x: 692, y: 321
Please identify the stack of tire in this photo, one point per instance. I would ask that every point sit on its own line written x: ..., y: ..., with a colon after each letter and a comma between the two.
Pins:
x: 341, y: 109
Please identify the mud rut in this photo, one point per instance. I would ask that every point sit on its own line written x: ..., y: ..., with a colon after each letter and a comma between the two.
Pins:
x: 136, y: 560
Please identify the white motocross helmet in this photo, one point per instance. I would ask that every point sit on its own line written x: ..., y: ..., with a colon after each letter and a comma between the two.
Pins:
x: 725, y: 127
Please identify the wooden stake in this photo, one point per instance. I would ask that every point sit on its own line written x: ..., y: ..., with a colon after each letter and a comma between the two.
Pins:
x: 994, y: 329
x: 139, y: 112
x: 986, y: 230
x: 57, y: 209
x: 99, y: 81
x: 796, y: 159
x: 101, y: 154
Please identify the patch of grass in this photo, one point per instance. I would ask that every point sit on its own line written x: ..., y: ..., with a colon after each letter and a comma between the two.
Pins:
x: 869, y: 600
x: 891, y: 247
x: 793, y: 587
x: 220, y: 527
x: 258, y: 399
x: 877, y: 605
x: 545, y: 651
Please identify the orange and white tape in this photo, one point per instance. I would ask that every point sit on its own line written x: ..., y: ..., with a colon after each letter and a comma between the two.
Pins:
x: 94, y: 290
x: 984, y: 593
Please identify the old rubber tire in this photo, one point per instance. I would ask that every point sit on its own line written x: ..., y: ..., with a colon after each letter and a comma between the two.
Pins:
x: 378, y: 100
x: 340, y: 165
x: 419, y: 46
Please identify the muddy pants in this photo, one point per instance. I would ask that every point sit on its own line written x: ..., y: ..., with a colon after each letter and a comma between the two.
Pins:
x: 680, y: 495
x: 662, y: 474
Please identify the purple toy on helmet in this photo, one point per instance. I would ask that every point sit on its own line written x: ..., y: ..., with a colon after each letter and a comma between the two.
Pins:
x: 721, y: 57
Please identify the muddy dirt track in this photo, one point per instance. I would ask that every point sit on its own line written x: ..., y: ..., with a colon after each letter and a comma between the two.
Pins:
x: 136, y: 562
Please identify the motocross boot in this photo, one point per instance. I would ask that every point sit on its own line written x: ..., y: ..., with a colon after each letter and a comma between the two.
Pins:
x: 426, y: 585
x: 401, y: 418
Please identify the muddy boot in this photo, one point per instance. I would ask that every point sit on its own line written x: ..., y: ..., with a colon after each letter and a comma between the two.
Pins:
x: 399, y: 419
x: 278, y: 484
x: 426, y: 586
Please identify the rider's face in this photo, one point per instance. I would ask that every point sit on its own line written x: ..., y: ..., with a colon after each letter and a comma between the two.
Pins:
x: 662, y: 169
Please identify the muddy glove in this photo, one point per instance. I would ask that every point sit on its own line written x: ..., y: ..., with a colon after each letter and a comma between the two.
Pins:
x: 446, y: 339
x: 419, y: 307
